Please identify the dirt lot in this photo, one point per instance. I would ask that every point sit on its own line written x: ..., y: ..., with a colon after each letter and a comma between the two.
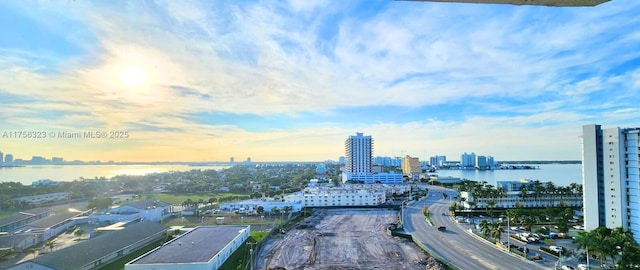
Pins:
x: 342, y: 239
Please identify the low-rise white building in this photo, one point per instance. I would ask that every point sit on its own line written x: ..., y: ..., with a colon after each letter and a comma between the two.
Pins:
x: 343, y: 197
x: 251, y: 206
x: 149, y: 209
x: 44, y: 198
x: 511, y: 200
x: 203, y: 248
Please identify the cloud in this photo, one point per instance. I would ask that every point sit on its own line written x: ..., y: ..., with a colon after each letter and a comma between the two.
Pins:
x: 309, y: 73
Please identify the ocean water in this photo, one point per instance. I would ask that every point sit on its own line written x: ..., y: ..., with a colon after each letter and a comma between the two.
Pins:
x: 559, y: 174
x: 27, y: 175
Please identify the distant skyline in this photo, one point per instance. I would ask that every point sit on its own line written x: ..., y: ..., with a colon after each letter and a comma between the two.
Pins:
x: 291, y: 80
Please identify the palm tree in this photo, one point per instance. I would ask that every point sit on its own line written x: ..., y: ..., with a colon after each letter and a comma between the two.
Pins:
x: 490, y: 204
x: 472, y: 205
x: 211, y: 201
x: 79, y: 233
x: 496, y: 231
x: 50, y: 244
x: 33, y: 251
x: 585, y: 241
x: 528, y: 223
x: 603, y: 247
x: 484, y: 227
x: 523, y: 193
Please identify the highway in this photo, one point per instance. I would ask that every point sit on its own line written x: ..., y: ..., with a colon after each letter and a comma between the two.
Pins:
x: 455, y: 245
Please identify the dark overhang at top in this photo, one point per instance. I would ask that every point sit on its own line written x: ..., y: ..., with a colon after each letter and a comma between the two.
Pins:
x: 551, y: 3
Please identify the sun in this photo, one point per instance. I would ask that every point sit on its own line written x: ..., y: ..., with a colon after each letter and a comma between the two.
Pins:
x: 133, y: 76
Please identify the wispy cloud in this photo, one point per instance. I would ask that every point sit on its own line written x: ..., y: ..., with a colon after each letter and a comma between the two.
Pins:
x: 290, y: 80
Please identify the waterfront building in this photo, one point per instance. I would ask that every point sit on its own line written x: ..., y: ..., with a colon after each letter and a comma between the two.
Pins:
x: 203, y: 248
x: 610, y: 177
x: 57, y: 160
x: 515, y: 187
x: 8, y: 159
x: 481, y: 162
x: 411, y: 167
x: 468, y: 160
x: 491, y: 162
x: 443, y: 179
x: 1, y: 159
x: 437, y: 161
x: 513, y: 200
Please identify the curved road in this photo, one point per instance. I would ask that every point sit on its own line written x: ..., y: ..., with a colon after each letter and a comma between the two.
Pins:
x: 454, y: 245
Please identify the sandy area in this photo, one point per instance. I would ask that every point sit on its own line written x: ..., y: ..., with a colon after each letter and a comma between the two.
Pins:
x: 342, y: 239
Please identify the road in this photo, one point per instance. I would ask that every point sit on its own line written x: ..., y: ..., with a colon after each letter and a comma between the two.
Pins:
x: 455, y: 245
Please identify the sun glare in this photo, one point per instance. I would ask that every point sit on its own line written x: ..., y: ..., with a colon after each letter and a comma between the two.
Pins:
x: 133, y: 76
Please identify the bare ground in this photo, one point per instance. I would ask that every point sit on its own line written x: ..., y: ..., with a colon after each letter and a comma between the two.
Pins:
x: 342, y: 239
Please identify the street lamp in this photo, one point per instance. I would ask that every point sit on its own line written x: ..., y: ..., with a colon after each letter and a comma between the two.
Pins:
x: 560, y: 258
x: 509, y: 236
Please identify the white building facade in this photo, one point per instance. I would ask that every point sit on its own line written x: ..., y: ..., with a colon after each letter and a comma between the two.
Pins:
x: 203, y: 248
x: 468, y: 160
x: 359, y: 154
x: 511, y: 200
x: 610, y: 176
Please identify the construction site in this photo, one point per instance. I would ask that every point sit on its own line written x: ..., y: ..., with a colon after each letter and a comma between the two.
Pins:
x: 343, y: 239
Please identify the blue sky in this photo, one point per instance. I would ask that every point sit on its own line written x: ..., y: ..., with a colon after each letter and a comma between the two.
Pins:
x: 291, y: 80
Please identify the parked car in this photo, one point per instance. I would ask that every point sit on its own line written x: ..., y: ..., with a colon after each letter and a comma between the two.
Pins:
x: 567, y: 267
x: 582, y: 266
x: 556, y: 248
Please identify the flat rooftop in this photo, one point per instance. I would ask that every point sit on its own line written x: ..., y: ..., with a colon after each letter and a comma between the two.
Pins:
x: 552, y: 3
x: 198, y: 245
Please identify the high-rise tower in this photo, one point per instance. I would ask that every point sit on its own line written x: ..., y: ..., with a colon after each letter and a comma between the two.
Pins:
x: 610, y: 178
x: 359, y: 154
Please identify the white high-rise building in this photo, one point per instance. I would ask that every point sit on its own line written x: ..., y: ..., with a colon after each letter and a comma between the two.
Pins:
x: 610, y: 178
x: 359, y: 154
x: 359, y: 163
x: 468, y: 160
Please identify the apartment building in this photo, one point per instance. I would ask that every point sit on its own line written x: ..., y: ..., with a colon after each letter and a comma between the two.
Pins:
x: 610, y: 177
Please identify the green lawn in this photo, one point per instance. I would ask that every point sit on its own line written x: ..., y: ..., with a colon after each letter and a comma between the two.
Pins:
x: 177, y: 199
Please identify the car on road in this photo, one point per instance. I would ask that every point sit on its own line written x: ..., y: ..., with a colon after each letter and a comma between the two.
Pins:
x: 567, y: 267
x: 556, y: 248
x: 442, y: 228
x: 582, y: 266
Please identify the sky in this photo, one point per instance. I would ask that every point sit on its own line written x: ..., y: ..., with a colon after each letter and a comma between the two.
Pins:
x: 291, y: 80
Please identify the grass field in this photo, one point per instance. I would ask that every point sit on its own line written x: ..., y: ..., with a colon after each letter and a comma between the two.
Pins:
x: 177, y: 199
